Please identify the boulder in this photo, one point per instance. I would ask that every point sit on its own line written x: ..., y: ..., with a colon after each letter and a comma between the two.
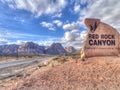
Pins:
x: 101, y: 39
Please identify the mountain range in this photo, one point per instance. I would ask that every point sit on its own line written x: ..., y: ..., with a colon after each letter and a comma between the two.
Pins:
x: 30, y: 48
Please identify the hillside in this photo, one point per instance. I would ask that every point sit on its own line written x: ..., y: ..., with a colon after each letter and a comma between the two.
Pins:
x: 96, y: 73
x: 31, y: 48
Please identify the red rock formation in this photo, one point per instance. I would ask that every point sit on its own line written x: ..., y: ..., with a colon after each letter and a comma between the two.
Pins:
x: 30, y: 48
x: 70, y: 49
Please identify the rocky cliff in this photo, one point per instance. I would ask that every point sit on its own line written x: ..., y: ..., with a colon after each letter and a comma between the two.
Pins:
x: 56, y: 49
x: 8, y: 49
x: 30, y: 48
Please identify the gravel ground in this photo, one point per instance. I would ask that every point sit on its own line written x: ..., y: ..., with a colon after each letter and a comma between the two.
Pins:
x: 96, y: 73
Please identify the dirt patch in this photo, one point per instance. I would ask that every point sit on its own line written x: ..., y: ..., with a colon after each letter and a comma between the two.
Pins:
x: 97, y: 73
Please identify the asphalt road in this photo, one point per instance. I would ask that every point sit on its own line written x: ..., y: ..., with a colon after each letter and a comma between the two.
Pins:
x: 19, y: 62
x: 6, y: 70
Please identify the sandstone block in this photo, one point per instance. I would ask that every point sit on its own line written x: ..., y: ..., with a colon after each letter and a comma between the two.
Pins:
x: 101, y: 39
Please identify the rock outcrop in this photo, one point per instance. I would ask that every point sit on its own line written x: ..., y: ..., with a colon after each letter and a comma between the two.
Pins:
x: 8, y: 49
x: 70, y: 49
x: 101, y: 40
x: 30, y: 48
x: 56, y: 49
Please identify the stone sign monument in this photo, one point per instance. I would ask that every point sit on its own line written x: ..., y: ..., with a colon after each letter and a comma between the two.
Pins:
x: 101, y: 40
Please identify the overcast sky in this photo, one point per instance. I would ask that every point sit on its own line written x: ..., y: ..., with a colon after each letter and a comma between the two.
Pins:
x: 48, y: 21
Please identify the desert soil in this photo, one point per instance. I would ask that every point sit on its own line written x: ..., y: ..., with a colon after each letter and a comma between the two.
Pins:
x: 96, y: 73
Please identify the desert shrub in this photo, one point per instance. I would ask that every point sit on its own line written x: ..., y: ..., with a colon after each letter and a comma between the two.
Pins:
x: 62, y: 60
x: 56, y: 58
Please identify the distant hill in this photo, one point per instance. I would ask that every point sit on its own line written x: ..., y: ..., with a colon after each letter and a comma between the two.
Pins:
x: 56, y: 49
x: 8, y: 49
x: 70, y: 49
x: 30, y: 48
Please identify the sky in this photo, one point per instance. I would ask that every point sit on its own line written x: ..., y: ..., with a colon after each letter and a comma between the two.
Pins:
x: 48, y: 21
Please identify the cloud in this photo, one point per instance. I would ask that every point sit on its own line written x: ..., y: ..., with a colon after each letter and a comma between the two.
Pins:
x: 19, y: 42
x: 58, y: 15
x: 69, y: 37
x: 77, y: 8
x: 9, y: 40
x: 48, y: 25
x: 37, y: 7
x: 58, y: 23
x: 71, y: 26
x: 8, y: 34
x: 48, y: 41
x: 106, y: 10
x: 74, y: 38
x: 3, y: 41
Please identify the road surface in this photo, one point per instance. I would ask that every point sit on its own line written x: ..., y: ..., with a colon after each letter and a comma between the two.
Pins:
x: 19, y: 62
x: 11, y: 68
